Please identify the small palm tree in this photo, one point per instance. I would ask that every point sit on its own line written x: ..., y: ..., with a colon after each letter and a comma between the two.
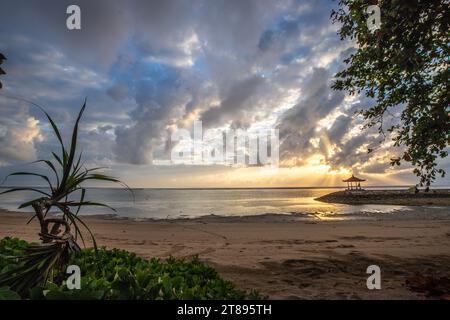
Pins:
x: 40, y: 260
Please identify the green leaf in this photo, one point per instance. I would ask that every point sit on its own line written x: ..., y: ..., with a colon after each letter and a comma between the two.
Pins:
x: 73, y: 146
x: 29, y: 203
x: 83, y: 192
x: 88, y: 203
x: 31, y: 174
x: 50, y: 164
x: 7, y: 294
x: 25, y: 189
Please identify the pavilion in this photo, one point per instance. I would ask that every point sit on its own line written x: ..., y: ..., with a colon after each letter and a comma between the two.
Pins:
x: 353, y: 183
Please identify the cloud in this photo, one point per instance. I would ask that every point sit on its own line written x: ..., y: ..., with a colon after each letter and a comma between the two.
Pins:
x: 18, y: 136
x: 118, y: 92
x: 105, y: 26
x: 162, y: 98
x: 299, y: 124
x: 240, y: 97
x: 150, y: 67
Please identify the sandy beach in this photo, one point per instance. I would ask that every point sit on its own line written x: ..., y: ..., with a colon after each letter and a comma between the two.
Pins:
x: 285, y: 259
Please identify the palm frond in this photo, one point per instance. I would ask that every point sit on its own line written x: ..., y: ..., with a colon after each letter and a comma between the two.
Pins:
x: 83, y: 194
x: 57, y: 158
x: 34, y: 267
x: 31, y: 174
x: 52, y: 167
x: 25, y: 189
x: 68, y: 160
x: 30, y: 203
x: 88, y: 203
x: 70, y: 175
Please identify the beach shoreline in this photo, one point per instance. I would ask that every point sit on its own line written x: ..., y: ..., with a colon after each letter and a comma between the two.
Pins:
x: 284, y: 259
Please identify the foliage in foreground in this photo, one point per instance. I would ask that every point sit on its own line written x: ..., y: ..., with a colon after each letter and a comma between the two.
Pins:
x: 118, y: 274
x: 58, y: 235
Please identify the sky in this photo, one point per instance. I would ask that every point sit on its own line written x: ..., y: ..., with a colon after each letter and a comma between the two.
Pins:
x: 150, y: 68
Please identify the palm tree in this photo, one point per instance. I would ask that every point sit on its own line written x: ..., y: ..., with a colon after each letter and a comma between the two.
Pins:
x: 69, y: 176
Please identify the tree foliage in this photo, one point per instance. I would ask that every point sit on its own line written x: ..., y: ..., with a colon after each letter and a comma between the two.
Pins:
x: 403, y: 64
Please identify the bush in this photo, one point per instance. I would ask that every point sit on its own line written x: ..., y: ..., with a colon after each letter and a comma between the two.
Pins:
x: 119, y: 274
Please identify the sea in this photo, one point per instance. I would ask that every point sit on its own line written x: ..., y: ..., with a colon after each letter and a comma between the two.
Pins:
x: 282, y: 203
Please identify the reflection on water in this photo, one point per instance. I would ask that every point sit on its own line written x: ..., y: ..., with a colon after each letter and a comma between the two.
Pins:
x: 190, y: 203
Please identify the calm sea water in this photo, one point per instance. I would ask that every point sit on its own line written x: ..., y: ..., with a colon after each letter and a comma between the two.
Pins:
x: 192, y: 203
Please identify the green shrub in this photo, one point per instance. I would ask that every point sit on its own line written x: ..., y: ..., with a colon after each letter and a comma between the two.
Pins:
x: 118, y: 274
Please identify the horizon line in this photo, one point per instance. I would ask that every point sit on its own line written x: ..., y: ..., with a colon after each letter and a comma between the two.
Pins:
x: 237, y: 188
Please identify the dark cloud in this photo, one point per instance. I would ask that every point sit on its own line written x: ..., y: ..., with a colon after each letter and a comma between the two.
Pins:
x: 149, y: 67
x: 340, y: 127
x: 298, y: 125
x: 105, y: 27
x: 239, y: 98
x: 118, y: 92
x: 161, y: 99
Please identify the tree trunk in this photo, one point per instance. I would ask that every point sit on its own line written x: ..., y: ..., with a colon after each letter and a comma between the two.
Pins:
x: 39, y: 210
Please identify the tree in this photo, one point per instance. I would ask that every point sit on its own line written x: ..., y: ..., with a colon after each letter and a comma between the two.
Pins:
x: 69, y: 176
x: 403, y: 64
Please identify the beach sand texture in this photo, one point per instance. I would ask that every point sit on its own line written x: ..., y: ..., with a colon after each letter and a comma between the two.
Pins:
x: 284, y: 259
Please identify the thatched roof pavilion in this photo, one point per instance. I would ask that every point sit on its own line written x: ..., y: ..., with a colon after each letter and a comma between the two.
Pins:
x: 353, y: 183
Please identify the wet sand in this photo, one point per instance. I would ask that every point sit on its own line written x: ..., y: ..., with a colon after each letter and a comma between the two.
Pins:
x: 285, y: 259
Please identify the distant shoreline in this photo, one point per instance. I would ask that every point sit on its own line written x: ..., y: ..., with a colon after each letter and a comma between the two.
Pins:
x: 400, y: 213
x: 438, y: 197
x: 256, y: 205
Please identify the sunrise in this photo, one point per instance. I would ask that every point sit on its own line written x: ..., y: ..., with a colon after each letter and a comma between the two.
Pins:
x: 253, y: 150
